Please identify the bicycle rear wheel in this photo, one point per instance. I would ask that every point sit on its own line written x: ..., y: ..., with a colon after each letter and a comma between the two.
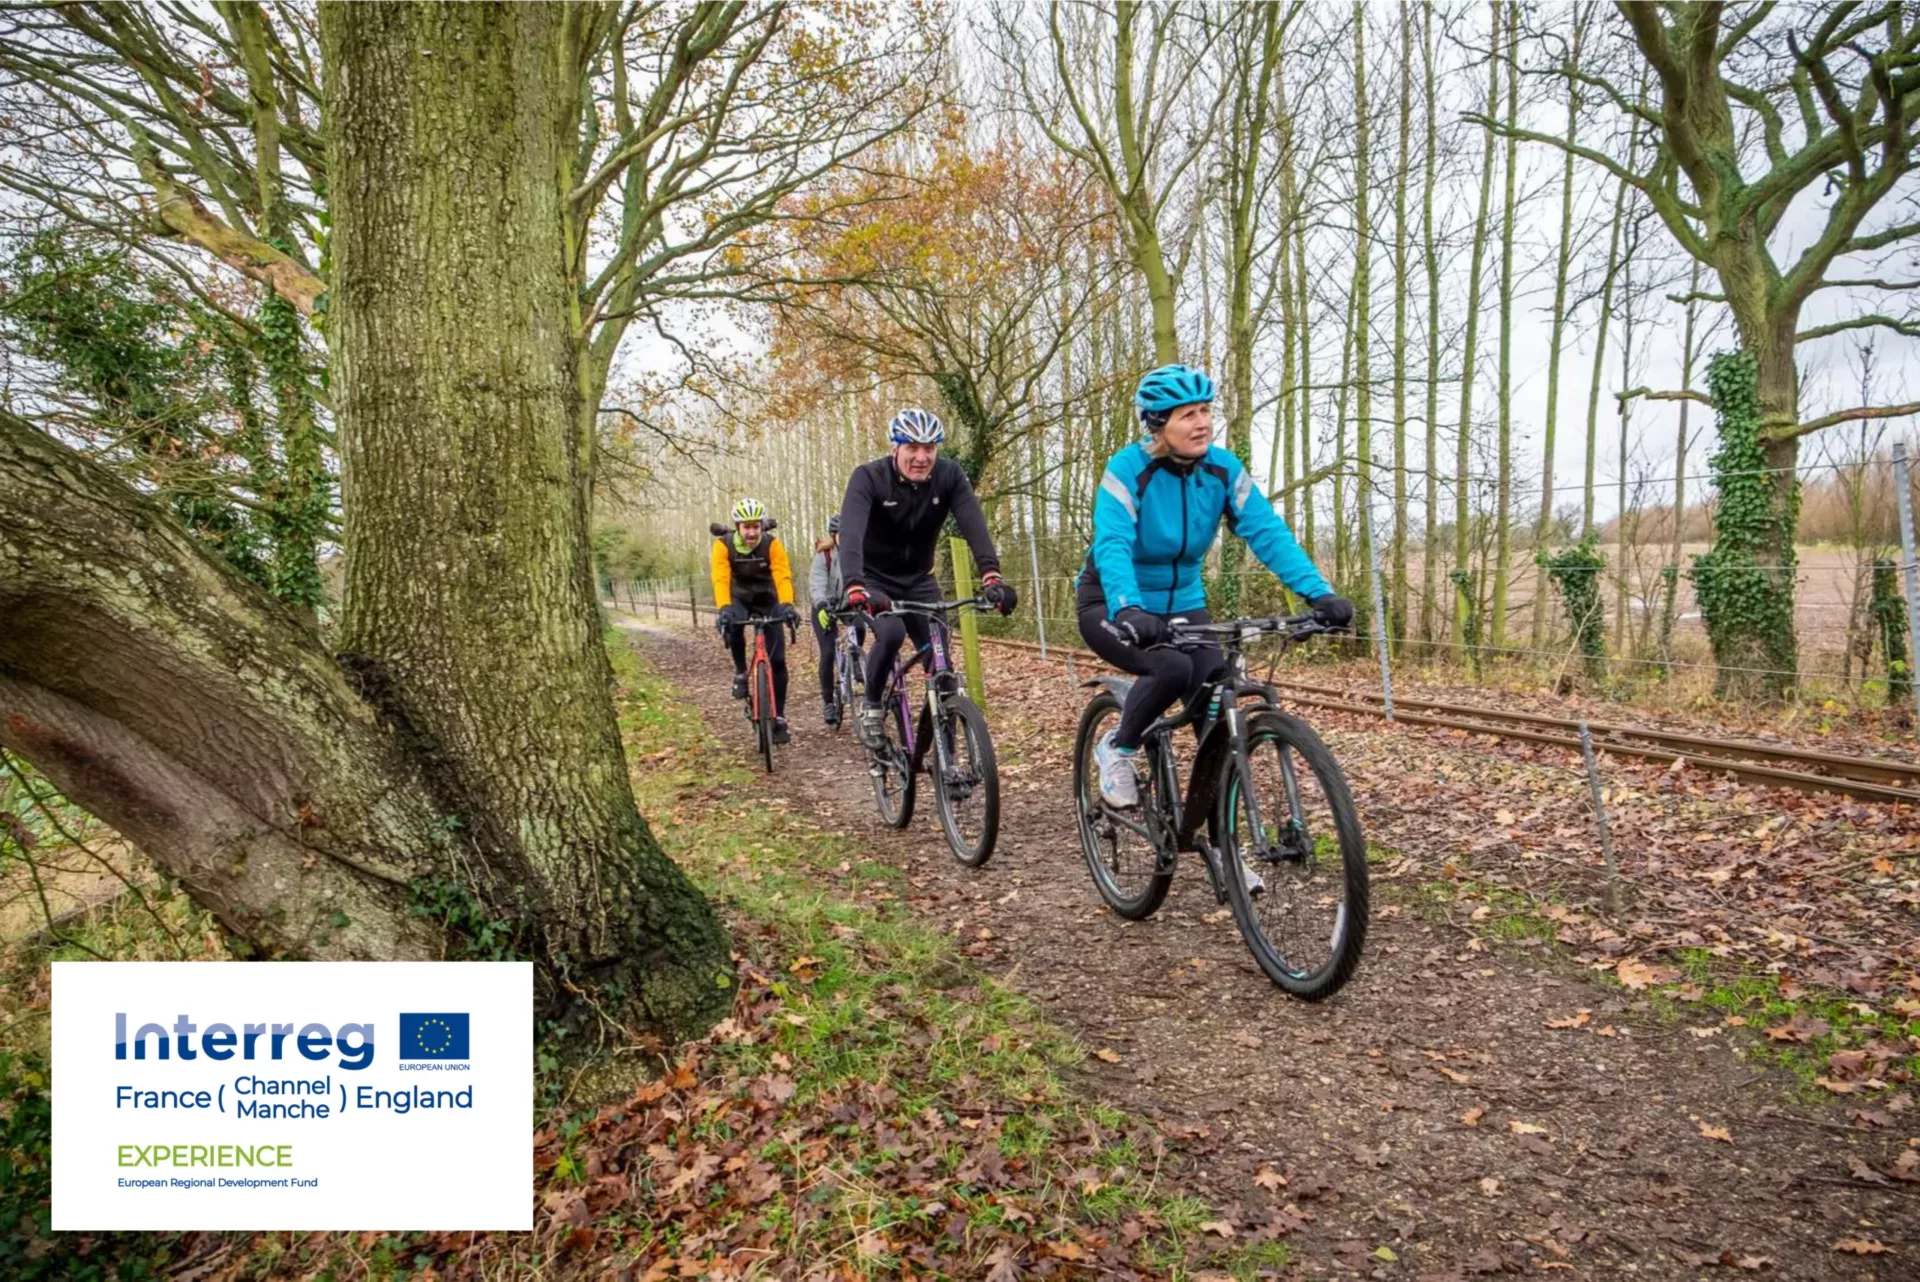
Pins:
x: 763, y: 710
x: 892, y: 769
x: 966, y: 781
x: 1285, y: 815
x: 1127, y: 865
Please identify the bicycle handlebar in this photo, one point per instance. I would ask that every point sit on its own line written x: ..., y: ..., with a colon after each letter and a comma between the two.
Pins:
x: 931, y: 608
x: 1296, y: 627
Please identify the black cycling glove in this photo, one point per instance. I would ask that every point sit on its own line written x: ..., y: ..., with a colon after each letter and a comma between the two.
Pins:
x: 1333, y: 610
x: 1138, y: 628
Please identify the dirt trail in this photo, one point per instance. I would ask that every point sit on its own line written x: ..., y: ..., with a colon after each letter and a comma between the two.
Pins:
x: 1585, y: 1154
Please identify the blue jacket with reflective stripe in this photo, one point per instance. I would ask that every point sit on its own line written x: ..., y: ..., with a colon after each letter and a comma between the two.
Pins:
x: 1155, y: 519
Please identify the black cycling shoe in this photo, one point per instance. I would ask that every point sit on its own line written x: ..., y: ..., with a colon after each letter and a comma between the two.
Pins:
x: 832, y: 715
x: 780, y: 734
x: 739, y: 685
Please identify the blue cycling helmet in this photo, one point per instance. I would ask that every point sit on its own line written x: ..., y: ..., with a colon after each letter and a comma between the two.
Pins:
x: 916, y: 427
x: 1166, y: 389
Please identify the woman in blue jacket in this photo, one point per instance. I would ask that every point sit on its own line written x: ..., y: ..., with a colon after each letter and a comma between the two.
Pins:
x: 1159, y: 507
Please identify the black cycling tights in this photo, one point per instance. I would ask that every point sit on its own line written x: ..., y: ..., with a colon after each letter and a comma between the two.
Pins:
x: 776, y: 655
x: 1166, y: 675
x: 889, y: 630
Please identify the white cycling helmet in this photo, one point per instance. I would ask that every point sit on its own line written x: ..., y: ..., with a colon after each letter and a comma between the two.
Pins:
x: 916, y: 427
x: 749, y: 510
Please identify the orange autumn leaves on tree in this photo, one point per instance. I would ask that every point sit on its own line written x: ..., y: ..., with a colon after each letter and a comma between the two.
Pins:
x: 942, y: 263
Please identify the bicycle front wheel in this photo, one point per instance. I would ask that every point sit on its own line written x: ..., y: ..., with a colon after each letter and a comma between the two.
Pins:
x: 844, y: 677
x: 966, y: 785
x: 763, y: 710
x: 892, y: 769
x: 1293, y: 857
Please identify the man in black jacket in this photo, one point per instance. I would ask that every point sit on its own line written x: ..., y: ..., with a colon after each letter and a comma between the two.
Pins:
x: 890, y: 524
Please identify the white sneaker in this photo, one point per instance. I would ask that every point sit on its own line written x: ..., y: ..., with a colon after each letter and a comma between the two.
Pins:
x: 1119, y: 782
x: 1256, y: 885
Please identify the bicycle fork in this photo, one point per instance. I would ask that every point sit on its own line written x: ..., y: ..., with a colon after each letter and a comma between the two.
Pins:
x: 1240, y: 785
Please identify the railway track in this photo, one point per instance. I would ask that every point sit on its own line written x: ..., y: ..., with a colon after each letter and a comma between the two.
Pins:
x: 1770, y: 765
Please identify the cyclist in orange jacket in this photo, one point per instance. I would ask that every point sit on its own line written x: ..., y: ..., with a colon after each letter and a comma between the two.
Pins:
x: 751, y: 576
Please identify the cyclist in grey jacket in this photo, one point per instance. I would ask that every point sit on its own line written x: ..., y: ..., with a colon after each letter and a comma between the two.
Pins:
x: 825, y: 586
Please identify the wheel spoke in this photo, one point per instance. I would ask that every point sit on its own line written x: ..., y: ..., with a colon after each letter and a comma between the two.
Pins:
x: 966, y: 788
x: 1304, y: 921
x: 1122, y: 848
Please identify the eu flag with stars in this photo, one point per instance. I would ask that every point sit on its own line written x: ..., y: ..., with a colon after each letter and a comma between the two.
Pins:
x: 433, y: 1036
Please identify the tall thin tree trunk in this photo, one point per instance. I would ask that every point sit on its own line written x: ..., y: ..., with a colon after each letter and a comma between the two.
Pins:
x: 1257, y: 62
x: 1462, y: 546
x: 1280, y: 465
x: 1137, y: 204
x: 1599, y: 359
x: 1343, y: 398
x: 1626, y: 524
x: 1557, y: 337
x: 1363, y: 310
x: 1687, y: 355
x: 1397, y: 597
x: 1430, y: 545
x: 1503, y: 500
x: 1301, y: 309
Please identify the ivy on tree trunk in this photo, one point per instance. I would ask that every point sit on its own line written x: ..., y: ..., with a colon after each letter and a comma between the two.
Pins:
x: 1744, y: 582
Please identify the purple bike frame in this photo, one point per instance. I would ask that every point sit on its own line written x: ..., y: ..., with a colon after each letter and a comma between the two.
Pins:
x: 937, y: 639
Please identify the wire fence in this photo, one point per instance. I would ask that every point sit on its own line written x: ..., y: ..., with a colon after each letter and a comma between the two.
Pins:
x: 1650, y: 615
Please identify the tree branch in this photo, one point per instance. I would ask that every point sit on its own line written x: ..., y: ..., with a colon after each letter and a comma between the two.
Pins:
x: 181, y: 214
x: 1909, y: 328
x: 1845, y: 416
x: 1647, y: 393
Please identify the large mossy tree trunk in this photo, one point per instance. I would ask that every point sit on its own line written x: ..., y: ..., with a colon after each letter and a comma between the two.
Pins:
x: 459, y: 768
x: 469, y: 605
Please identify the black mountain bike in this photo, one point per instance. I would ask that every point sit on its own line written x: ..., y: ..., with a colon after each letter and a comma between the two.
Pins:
x: 1267, y: 809
x: 966, y: 781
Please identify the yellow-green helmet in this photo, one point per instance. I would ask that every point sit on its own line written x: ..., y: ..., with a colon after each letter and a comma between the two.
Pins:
x: 749, y: 509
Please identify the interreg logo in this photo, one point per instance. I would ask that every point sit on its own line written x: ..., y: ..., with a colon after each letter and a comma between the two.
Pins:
x: 351, y: 1044
x: 432, y: 1035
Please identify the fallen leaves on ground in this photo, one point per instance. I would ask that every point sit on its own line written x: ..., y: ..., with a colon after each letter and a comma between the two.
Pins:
x: 1637, y: 974
x: 1862, y: 1246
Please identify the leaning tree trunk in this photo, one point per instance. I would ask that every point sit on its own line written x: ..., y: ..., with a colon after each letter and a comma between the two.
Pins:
x: 461, y: 765
x: 181, y: 704
x: 469, y: 609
